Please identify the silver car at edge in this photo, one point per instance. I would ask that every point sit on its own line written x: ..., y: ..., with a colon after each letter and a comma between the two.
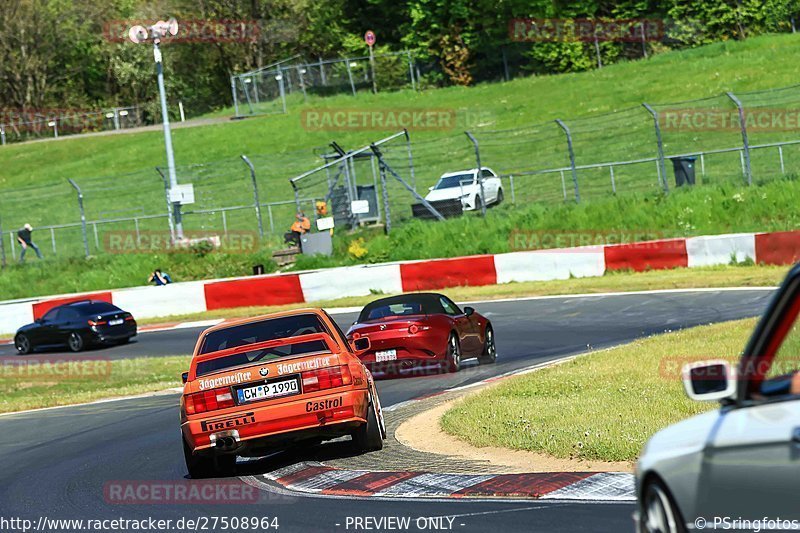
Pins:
x: 736, y: 467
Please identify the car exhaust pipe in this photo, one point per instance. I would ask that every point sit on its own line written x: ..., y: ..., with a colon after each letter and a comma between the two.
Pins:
x: 225, y: 440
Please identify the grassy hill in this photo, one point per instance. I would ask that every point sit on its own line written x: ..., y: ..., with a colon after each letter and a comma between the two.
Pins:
x: 117, y: 173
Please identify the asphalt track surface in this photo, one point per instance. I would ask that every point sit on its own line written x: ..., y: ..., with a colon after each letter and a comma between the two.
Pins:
x: 56, y: 463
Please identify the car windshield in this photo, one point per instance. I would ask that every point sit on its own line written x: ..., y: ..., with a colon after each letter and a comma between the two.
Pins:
x: 405, y: 305
x: 449, y: 182
x: 261, y: 355
x: 263, y: 330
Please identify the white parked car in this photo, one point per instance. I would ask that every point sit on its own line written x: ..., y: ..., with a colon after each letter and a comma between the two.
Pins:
x: 464, y: 184
x: 736, y: 467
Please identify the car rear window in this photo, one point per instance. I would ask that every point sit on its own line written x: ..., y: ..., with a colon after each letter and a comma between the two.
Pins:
x: 405, y: 305
x: 95, y: 308
x: 260, y: 355
x: 264, y: 330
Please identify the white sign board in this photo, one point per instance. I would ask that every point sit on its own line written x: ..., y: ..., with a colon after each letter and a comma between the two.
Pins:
x: 324, y: 224
x: 359, y: 207
x: 182, y: 194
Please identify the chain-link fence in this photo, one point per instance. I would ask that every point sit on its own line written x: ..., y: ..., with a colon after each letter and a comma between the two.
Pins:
x: 20, y: 126
x: 274, y: 88
x: 741, y: 139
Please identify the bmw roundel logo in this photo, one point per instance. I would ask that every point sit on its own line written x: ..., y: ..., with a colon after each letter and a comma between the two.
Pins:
x: 264, y: 371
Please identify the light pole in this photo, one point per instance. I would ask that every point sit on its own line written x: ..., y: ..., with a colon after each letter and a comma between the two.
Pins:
x: 156, y: 32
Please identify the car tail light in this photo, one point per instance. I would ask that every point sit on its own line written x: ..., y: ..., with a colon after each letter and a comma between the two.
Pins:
x: 209, y: 400
x: 326, y: 378
x: 416, y: 328
x: 129, y: 317
x: 94, y: 323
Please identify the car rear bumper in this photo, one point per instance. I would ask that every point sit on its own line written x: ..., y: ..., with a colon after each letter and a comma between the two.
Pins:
x: 263, y: 425
x: 113, y: 334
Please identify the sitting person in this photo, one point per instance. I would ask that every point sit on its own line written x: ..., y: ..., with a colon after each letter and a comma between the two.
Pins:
x: 301, y: 225
x: 159, y: 278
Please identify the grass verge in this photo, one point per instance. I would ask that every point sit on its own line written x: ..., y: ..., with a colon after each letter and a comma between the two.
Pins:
x: 602, y: 406
x: 40, y: 381
x: 679, y: 278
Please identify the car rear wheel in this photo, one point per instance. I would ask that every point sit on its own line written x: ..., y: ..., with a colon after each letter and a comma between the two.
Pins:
x: 369, y: 437
x: 489, y: 348
x: 22, y: 343
x: 453, y: 354
x: 75, y: 342
x: 659, y: 514
x: 199, y: 466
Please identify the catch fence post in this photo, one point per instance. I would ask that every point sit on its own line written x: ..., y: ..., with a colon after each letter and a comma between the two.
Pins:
x: 169, y: 204
x: 571, y: 159
x: 410, y: 160
x: 474, y: 142
x: 83, y: 215
x: 748, y: 172
x: 660, y: 143
x: 235, y: 99
x: 255, y: 195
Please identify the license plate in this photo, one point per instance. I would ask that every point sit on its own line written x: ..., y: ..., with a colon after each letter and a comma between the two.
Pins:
x: 264, y: 391
x: 115, y: 322
x: 385, y: 355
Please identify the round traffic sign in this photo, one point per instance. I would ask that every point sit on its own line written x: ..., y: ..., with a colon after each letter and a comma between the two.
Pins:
x: 369, y: 37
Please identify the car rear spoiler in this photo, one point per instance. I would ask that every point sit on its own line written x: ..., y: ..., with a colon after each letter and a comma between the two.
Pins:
x: 286, y: 341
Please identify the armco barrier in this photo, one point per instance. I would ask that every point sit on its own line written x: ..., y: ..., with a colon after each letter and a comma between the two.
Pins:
x: 652, y: 255
x: 548, y: 265
x: 40, y: 308
x: 781, y: 248
x: 720, y: 249
x: 258, y: 290
x: 435, y: 274
x: 540, y: 265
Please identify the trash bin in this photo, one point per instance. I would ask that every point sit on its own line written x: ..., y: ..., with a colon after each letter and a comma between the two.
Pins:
x: 684, y: 170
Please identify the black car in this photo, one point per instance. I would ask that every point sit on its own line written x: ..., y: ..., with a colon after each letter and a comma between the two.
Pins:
x: 77, y: 325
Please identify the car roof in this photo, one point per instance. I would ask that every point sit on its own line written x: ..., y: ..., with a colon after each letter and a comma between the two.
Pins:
x: 466, y: 171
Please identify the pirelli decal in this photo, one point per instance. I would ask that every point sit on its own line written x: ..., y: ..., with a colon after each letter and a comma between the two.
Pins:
x: 230, y: 422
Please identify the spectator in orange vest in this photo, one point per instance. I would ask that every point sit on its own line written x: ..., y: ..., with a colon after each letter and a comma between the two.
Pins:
x: 301, y: 225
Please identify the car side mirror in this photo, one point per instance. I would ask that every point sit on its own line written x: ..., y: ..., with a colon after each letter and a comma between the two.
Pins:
x: 185, y: 377
x: 709, y: 381
x: 469, y: 311
x: 430, y: 188
x: 361, y: 345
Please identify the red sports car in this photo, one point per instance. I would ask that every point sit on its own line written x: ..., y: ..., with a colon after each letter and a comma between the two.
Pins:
x: 422, y: 330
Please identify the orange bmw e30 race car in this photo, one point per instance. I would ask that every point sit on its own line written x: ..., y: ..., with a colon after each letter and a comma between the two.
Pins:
x: 272, y: 382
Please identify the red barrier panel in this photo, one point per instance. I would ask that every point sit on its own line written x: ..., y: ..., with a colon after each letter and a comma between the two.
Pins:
x: 653, y: 255
x: 40, y: 308
x: 268, y: 290
x: 779, y: 248
x: 441, y: 273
